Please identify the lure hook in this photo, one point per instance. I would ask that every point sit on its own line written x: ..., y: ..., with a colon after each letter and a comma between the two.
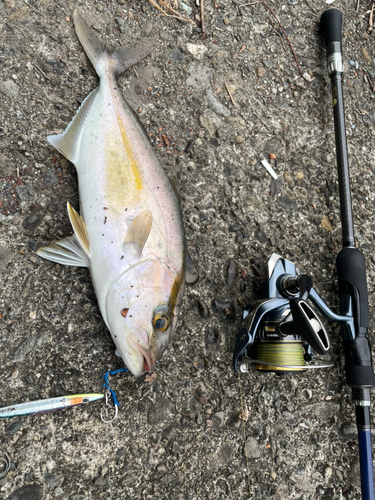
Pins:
x: 104, y: 413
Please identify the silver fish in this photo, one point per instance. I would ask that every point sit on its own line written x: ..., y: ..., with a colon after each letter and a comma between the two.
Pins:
x: 130, y: 233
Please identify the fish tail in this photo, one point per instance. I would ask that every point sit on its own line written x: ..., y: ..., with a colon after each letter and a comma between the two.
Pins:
x: 103, y: 61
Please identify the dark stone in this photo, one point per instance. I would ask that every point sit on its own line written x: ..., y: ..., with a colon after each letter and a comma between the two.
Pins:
x: 11, y: 429
x: 50, y: 178
x: 231, y: 272
x: 367, y: 247
x: 287, y: 203
x: 27, y: 492
x: 214, y: 142
x: 160, y: 411
x: 212, y: 338
x: 32, y: 245
x: 348, y: 431
x: 101, y: 482
x: 168, y: 434
x: 176, y: 56
x: 276, y: 186
x: 234, y: 228
x: 260, y: 235
x: 31, y: 222
x: 52, y: 481
x: 58, y: 106
x: 191, y: 272
x: 30, y: 379
x: 218, y: 419
x: 223, y: 311
x: 189, y: 145
x: 203, y: 309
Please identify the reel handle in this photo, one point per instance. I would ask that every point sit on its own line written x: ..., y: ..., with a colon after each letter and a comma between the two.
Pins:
x: 331, y: 22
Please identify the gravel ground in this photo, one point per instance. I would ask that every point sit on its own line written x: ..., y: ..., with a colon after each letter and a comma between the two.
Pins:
x: 179, y: 435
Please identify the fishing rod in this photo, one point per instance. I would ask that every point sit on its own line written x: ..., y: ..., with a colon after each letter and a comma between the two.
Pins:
x: 283, y: 327
x: 351, y: 266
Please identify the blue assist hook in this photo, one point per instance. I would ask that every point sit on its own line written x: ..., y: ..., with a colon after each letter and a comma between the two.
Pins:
x: 106, y: 384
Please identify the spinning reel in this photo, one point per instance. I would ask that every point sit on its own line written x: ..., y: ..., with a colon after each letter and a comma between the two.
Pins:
x: 281, y: 328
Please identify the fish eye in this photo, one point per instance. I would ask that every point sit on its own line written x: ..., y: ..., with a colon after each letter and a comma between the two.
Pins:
x: 161, y: 321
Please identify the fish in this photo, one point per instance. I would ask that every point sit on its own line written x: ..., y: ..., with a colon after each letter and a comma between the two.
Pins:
x: 129, y: 232
x: 44, y: 405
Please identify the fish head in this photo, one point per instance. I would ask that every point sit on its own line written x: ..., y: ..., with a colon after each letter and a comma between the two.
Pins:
x: 142, y: 307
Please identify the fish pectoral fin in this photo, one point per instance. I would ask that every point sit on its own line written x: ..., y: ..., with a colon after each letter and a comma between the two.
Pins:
x: 176, y: 186
x: 139, y: 230
x: 80, y: 229
x: 67, y: 252
x: 68, y: 142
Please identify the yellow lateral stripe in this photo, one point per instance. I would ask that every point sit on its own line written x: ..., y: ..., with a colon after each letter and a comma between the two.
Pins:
x: 129, y: 151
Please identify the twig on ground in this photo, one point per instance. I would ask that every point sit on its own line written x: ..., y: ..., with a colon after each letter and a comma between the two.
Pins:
x: 37, y: 67
x: 202, y: 16
x: 371, y: 27
x: 286, y: 36
x: 246, y: 4
x: 230, y: 95
x: 281, y: 38
x: 139, y: 22
x: 157, y: 6
x: 135, y: 72
x: 62, y: 60
x: 168, y: 7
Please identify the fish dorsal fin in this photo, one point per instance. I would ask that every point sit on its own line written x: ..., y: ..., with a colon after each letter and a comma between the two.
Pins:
x: 80, y: 229
x: 139, y: 230
x: 67, y: 252
x: 98, y: 54
x: 69, y: 141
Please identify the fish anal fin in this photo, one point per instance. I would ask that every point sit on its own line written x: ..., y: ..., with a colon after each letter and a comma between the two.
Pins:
x: 79, y: 228
x: 68, y: 142
x: 139, y: 230
x: 67, y: 252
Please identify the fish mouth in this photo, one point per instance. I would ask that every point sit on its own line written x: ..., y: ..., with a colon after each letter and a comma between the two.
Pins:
x: 140, y: 343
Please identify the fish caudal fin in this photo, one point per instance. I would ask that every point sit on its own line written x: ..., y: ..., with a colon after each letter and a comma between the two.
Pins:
x: 68, y: 142
x: 67, y: 252
x: 98, y: 54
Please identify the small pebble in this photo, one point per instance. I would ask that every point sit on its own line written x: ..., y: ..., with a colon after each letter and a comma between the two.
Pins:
x: 239, y: 139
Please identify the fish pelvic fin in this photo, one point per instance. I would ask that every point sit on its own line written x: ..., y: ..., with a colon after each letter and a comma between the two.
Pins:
x: 67, y: 252
x: 80, y: 229
x: 139, y: 230
x: 102, y: 60
x: 68, y: 142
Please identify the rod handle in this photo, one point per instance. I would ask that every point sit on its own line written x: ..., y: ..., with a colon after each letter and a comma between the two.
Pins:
x: 331, y: 23
x: 351, y: 273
